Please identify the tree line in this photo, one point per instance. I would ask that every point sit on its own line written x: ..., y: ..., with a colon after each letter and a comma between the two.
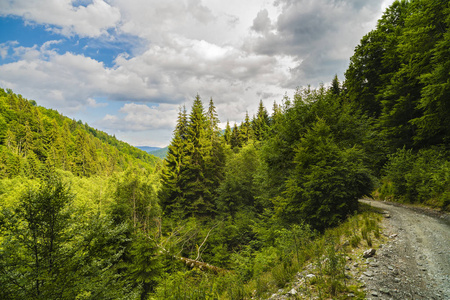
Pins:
x: 230, y: 213
x: 34, y: 139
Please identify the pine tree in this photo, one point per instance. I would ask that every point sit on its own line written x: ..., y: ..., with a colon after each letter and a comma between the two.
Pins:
x: 246, y: 130
x: 213, y: 121
x: 171, y: 194
x: 335, y: 88
x: 434, y: 125
x: 261, y: 123
x: 227, y: 134
x: 215, y: 161
x: 235, y: 140
x: 194, y: 180
x: 276, y: 114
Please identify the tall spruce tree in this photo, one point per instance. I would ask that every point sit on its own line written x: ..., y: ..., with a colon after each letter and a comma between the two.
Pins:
x: 171, y: 195
x: 215, y: 162
x: 261, y: 123
x: 198, y: 195
x: 246, y: 131
x: 235, y: 140
x: 227, y: 134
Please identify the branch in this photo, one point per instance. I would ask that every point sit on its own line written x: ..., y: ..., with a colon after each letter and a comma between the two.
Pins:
x: 198, y: 249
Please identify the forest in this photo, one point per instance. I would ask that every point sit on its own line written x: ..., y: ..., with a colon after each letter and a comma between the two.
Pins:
x: 235, y: 212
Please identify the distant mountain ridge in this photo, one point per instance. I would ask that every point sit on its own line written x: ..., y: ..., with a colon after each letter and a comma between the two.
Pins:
x: 155, y: 151
x: 148, y: 148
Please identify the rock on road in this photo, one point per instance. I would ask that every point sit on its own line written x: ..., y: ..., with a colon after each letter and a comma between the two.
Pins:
x: 415, y: 262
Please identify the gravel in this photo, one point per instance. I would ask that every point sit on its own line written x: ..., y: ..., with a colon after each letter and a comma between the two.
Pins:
x: 415, y: 262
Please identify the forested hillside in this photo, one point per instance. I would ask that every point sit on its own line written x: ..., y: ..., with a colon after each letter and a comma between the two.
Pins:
x: 233, y: 213
x: 399, y: 77
x: 34, y: 139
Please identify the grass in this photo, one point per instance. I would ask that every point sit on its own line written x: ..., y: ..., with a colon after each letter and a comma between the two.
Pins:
x: 326, y: 259
x: 316, y: 267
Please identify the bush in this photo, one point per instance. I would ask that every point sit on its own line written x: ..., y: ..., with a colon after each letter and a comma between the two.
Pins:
x: 423, y: 177
x: 327, y: 182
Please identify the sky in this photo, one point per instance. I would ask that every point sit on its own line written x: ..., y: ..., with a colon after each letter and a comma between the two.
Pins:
x: 127, y: 66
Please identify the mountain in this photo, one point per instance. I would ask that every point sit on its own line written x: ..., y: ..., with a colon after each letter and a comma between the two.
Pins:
x: 34, y: 140
x: 147, y: 148
x: 156, y: 151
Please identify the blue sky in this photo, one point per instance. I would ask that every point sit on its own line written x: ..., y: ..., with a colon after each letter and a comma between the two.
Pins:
x: 126, y: 66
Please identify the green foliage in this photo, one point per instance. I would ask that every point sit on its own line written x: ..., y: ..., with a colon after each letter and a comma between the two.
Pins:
x: 291, y: 242
x: 34, y: 140
x: 261, y: 123
x: 315, y: 190
x: 47, y: 254
x: 423, y: 177
x: 146, y: 266
x: 247, y: 202
x: 236, y: 191
x: 135, y: 200
x: 193, y: 167
x: 398, y: 74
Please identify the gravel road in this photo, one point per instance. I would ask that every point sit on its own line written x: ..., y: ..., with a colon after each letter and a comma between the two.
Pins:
x: 415, y: 262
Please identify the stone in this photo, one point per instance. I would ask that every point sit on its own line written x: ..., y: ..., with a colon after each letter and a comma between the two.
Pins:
x: 310, y: 276
x: 292, y: 292
x: 369, y: 253
x: 368, y: 274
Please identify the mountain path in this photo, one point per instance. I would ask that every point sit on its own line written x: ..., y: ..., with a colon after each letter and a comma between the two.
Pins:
x: 415, y: 262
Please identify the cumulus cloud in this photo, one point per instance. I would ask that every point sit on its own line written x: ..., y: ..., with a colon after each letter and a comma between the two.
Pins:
x: 141, y: 117
x: 320, y: 35
x: 4, y: 48
x: 160, y: 74
x: 238, y: 53
x: 93, y: 103
x: 262, y: 23
x: 92, y: 20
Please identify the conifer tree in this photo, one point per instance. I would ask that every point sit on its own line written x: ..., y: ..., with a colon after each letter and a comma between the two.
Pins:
x: 246, y: 131
x: 261, y: 123
x: 213, y: 121
x: 335, y: 86
x: 277, y: 113
x: 171, y: 195
x: 227, y: 134
x: 215, y: 161
x: 235, y: 137
x: 194, y: 181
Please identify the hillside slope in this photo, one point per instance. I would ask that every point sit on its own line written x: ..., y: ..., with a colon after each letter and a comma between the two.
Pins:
x: 34, y: 139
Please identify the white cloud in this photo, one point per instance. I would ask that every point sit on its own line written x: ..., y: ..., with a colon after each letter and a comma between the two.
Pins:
x: 141, y: 117
x: 320, y: 35
x: 91, y: 102
x: 4, y: 48
x: 92, y: 20
x: 262, y: 22
x: 236, y: 52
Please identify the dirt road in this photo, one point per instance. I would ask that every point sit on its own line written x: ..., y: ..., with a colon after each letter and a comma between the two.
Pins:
x: 415, y: 262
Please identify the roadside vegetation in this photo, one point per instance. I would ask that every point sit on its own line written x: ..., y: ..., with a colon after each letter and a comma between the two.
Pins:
x: 266, y: 206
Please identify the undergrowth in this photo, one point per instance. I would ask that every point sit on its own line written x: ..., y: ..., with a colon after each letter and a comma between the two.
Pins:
x: 311, y: 264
